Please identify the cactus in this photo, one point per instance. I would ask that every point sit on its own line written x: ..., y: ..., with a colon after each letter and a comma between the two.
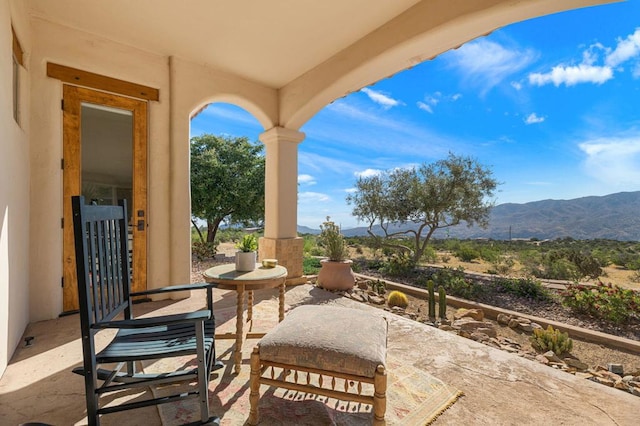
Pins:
x: 397, y: 298
x: 551, y: 340
x: 442, y: 303
x: 432, y: 300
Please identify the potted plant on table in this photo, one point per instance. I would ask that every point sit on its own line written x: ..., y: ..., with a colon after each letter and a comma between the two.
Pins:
x: 246, y: 256
x: 336, y: 272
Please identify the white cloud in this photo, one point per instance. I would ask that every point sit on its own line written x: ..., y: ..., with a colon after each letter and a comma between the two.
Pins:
x: 306, y: 179
x: 572, y: 75
x: 533, y: 119
x: 625, y: 50
x: 424, y: 107
x: 368, y: 173
x: 588, y: 71
x: 516, y: 85
x: 381, y: 98
x: 486, y: 64
x: 614, y: 161
x: 350, y: 190
x: 430, y: 101
x: 312, y: 197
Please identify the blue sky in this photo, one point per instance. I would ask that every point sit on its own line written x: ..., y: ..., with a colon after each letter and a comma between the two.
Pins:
x: 551, y: 105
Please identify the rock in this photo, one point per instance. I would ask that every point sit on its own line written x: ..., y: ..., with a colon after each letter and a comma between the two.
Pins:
x: 376, y: 300
x: 621, y: 385
x: 475, y: 314
x: 616, y: 368
x: 542, y: 359
x: 527, y: 328
x: 503, y: 319
x: 479, y: 337
x: 363, y: 285
x: 513, y: 323
x: 583, y: 375
x: 446, y: 327
x: 552, y: 357
x: 603, y: 381
x: 576, y: 363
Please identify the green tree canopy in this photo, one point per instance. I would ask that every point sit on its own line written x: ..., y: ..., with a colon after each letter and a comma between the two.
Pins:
x: 429, y: 197
x: 227, y: 181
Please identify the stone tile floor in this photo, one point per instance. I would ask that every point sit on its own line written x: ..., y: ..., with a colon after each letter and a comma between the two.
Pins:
x: 500, y: 388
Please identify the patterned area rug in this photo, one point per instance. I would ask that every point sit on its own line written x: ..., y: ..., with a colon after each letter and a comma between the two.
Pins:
x: 413, y: 396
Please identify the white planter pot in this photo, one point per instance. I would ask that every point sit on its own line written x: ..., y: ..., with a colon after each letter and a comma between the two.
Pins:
x: 245, y: 261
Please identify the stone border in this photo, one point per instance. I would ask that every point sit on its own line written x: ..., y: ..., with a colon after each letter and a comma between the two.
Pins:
x: 492, y: 312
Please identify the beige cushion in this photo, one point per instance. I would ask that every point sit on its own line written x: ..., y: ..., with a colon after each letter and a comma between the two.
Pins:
x: 336, y: 339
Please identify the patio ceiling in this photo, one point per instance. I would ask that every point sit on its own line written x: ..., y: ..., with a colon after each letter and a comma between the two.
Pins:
x: 277, y: 42
x: 270, y: 42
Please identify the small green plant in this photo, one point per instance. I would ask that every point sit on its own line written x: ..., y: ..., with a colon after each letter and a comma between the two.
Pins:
x: 379, y: 286
x: 397, y: 298
x: 551, y: 340
x: 442, y: 303
x: 248, y: 243
x: 432, y: 300
x: 332, y: 241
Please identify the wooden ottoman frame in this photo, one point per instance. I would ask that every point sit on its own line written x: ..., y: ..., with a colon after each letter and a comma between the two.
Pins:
x: 311, y: 367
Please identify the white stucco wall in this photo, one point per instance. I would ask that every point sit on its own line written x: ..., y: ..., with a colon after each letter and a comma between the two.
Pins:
x: 14, y: 188
x: 61, y: 45
x: 193, y: 86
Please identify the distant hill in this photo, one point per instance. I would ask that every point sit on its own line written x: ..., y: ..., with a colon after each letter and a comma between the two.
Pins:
x: 615, y: 217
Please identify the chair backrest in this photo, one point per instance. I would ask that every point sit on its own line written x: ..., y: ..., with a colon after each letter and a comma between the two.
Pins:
x: 102, y: 261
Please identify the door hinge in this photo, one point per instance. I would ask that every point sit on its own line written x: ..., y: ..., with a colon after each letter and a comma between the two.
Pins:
x: 62, y: 104
x: 62, y: 163
x: 62, y: 222
x: 62, y: 282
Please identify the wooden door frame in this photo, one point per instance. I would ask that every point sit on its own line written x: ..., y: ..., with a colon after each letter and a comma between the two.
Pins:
x: 73, y: 96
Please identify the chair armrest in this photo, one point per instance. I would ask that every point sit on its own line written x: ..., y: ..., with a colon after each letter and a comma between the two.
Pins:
x: 182, y: 287
x: 190, y: 317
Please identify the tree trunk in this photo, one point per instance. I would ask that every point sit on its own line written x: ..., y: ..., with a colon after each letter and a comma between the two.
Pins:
x: 212, y: 229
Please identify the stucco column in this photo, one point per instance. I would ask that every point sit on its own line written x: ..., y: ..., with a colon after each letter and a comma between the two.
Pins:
x: 281, y: 239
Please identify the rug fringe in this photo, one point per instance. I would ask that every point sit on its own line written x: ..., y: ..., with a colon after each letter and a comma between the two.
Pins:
x: 444, y: 408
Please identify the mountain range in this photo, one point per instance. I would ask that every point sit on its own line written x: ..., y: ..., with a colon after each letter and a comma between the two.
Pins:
x: 614, y: 216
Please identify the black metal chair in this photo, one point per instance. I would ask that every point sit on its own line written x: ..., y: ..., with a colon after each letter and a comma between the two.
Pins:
x: 105, y: 300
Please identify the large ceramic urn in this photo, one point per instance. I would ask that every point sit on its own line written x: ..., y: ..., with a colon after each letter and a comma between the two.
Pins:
x: 336, y: 275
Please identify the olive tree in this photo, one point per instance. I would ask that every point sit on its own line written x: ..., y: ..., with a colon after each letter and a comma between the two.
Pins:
x: 416, y: 202
x: 227, y: 182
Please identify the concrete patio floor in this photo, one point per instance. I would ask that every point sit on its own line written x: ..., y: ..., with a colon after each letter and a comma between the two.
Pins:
x: 500, y: 388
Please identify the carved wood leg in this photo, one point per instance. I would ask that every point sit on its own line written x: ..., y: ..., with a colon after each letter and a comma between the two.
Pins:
x: 281, y: 300
x: 379, y: 396
x: 254, y: 386
x: 237, y: 355
x: 249, y: 305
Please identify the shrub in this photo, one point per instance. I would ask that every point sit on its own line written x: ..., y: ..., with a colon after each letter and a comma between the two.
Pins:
x: 430, y: 255
x: 203, y: 250
x: 502, y: 265
x: 310, y: 265
x: 456, y: 284
x: 523, y: 287
x: 605, y: 301
x: 551, y: 340
x: 397, y: 298
x: 399, y: 264
x: 466, y: 253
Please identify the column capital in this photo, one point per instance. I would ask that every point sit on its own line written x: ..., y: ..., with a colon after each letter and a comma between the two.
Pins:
x: 281, y: 134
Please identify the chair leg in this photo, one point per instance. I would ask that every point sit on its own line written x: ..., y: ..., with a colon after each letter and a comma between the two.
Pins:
x: 203, y: 373
x: 254, y: 386
x: 379, y: 396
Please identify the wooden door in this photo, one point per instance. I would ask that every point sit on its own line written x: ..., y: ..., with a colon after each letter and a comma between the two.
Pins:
x: 104, y: 159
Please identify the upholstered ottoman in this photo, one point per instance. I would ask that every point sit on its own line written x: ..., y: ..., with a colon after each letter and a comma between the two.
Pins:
x: 324, y: 350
